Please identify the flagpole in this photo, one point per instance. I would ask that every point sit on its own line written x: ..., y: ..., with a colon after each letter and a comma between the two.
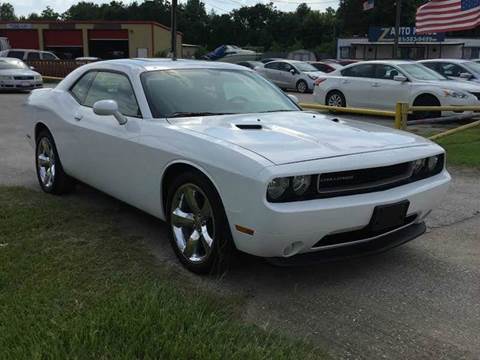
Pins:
x: 397, y: 28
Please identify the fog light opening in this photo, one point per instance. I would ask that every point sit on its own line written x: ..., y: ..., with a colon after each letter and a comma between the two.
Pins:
x: 293, y: 249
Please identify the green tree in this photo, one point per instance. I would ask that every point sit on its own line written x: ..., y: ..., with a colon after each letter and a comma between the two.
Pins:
x: 49, y: 14
x: 7, y: 11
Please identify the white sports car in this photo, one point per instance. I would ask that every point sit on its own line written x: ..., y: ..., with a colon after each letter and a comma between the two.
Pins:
x: 229, y: 161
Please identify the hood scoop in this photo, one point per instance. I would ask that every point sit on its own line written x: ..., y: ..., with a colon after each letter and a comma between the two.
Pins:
x: 249, y: 126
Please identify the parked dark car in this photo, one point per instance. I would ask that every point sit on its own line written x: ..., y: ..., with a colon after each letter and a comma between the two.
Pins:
x: 250, y: 64
x: 325, y: 66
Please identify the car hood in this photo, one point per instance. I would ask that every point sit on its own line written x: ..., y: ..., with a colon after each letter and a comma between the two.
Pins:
x: 289, y: 137
x: 456, y: 84
x: 18, y: 72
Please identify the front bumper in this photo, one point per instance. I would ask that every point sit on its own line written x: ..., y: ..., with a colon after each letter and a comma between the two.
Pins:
x: 287, y: 229
x: 20, y: 84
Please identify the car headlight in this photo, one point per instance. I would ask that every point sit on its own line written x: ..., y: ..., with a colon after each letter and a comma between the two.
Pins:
x: 430, y: 166
x: 313, y: 77
x: 455, y: 94
x: 38, y: 78
x: 300, y: 184
x: 6, y: 77
x: 277, y: 187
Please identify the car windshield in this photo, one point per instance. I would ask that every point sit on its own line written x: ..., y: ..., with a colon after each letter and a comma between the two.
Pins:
x: 472, y: 66
x: 203, y: 92
x: 305, y: 67
x: 420, y: 72
x: 9, y: 64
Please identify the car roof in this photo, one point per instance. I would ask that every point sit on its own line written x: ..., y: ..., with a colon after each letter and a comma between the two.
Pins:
x: 149, y: 64
x: 31, y: 50
x: 458, y: 61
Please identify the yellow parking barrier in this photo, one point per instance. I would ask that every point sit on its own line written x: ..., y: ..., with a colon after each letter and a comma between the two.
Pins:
x: 52, y: 78
x: 454, y: 131
x: 349, y: 110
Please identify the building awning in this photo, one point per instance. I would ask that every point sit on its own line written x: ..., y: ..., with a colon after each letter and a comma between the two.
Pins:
x: 443, y: 43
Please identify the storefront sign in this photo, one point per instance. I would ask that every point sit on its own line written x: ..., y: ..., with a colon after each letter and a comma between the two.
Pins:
x: 19, y: 26
x: 406, y: 34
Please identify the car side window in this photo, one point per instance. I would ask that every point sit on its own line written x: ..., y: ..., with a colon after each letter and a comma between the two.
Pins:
x: 386, y: 72
x: 285, y: 67
x: 449, y: 69
x: 16, y: 54
x: 48, y: 56
x: 272, y: 66
x: 360, y: 71
x: 80, y: 89
x: 113, y: 86
x: 33, y: 56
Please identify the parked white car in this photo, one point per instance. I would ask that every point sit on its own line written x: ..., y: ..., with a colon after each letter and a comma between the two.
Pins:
x: 16, y: 75
x: 381, y: 84
x: 291, y: 74
x: 455, y: 69
x: 28, y: 54
x: 229, y: 160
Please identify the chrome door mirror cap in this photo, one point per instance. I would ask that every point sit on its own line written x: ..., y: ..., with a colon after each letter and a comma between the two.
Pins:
x: 466, y: 75
x: 109, y: 108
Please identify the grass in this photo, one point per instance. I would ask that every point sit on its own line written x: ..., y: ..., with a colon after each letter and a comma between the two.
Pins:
x: 73, y: 286
x: 463, y: 148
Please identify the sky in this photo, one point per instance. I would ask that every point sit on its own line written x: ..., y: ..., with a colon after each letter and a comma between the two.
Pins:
x: 25, y: 7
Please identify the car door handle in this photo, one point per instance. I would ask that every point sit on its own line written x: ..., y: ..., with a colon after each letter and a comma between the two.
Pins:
x: 78, y: 117
x: 345, y: 81
x: 375, y: 85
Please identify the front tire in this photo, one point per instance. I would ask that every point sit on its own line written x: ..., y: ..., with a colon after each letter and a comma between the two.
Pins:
x: 199, y: 230
x: 50, y: 174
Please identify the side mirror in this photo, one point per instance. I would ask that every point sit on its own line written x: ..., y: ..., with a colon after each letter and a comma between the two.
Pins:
x: 293, y: 98
x: 109, y: 108
x: 400, y: 78
x: 466, y: 75
x: 292, y: 71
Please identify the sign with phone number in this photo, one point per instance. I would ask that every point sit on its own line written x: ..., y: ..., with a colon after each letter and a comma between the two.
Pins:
x: 406, y: 34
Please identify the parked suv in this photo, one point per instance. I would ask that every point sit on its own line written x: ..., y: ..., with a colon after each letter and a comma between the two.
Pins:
x: 291, y: 74
x: 28, y: 55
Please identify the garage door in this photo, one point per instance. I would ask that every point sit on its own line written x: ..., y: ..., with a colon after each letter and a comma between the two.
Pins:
x: 108, y: 43
x: 63, y: 38
x: 21, y: 39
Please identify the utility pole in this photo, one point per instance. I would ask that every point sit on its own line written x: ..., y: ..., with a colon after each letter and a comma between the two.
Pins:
x: 173, y: 29
x: 397, y: 28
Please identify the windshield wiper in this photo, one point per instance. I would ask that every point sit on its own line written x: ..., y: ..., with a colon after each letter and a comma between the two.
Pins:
x: 192, y: 113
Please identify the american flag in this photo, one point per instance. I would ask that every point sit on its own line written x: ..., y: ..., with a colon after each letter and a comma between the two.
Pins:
x: 448, y: 15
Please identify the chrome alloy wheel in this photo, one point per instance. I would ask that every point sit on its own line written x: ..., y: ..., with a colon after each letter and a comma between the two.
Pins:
x: 46, y: 162
x: 302, y: 87
x: 335, y: 100
x: 192, y: 222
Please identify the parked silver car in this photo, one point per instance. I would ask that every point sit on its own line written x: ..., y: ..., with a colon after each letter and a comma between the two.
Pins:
x: 16, y: 75
x: 291, y: 74
x: 455, y: 69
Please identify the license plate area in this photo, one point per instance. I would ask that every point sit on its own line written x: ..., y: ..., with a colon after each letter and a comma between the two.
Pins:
x: 389, y: 217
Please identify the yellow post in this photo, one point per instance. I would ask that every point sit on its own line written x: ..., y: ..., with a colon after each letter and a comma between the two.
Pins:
x: 398, y: 116
x: 404, y: 111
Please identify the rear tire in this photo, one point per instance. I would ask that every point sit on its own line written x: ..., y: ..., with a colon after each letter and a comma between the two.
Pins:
x: 335, y: 98
x: 302, y: 87
x: 199, y: 230
x: 50, y: 174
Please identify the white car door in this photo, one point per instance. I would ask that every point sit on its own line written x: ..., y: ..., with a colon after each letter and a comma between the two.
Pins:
x: 354, y: 82
x: 272, y: 72
x: 107, y: 152
x: 384, y: 91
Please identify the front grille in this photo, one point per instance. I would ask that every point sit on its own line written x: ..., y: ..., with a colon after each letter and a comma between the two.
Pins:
x: 363, y: 180
x: 358, y: 235
x: 476, y: 94
x: 23, y: 77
